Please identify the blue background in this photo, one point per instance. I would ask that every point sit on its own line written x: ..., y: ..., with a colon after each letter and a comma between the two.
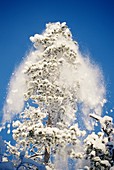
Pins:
x: 91, y: 23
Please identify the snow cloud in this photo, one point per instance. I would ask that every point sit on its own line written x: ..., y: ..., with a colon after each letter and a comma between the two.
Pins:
x: 90, y: 96
x: 17, y: 87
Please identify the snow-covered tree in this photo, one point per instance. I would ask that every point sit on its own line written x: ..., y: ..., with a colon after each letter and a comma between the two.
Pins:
x: 60, y: 90
x: 100, y: 146
x: 47, y: 128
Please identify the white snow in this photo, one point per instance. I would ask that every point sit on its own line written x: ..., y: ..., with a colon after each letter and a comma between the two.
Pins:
x: 105, y: 162
x: 17, y: 87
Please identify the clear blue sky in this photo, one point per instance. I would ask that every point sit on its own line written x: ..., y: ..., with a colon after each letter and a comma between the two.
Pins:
x: 91, y: 23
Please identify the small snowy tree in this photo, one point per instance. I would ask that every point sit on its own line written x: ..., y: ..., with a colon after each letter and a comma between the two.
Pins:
x: 100, y: 146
